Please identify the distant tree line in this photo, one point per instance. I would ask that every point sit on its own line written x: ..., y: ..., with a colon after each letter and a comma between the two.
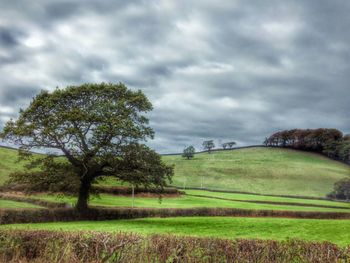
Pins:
x: 330, y: 142
x: 190, y: 151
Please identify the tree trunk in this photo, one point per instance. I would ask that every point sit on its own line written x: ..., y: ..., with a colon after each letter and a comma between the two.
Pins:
x: 84, y: 193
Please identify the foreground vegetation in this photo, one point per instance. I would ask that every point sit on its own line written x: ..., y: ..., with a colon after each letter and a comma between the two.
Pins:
x: 41, y: 246
x: 335, y: 231
x: 260, y: 170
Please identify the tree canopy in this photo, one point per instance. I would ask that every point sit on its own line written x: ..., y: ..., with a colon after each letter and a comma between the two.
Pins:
x: 228, y: 145
x: 189, y: 152
x: 208, y: 145
x: 341, y: 190
x: 98, y: 128
x: 330, y: 142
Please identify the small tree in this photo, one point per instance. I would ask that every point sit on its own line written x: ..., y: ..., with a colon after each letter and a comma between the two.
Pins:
x: 98, y: 128
x: 341, y: 190
x: 189, y: 152
x: 228, y: 145
x: 208, y: 145
x: 231, y: 144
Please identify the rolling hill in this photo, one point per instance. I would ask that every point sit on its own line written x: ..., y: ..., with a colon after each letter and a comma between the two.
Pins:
x: 8, y: 163
x: 256, y: 170
x: 260, y: 170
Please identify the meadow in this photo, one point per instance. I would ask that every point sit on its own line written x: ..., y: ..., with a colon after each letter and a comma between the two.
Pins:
x: 286, y: 182
x: 335, y: 231
x: 260, y: 170
x: 257, y: 170
x: 188, y: 201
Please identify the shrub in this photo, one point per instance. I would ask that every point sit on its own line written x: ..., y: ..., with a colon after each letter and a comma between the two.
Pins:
x: 341, y: 190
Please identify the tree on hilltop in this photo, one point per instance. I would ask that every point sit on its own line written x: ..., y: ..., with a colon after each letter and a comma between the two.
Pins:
x: 208, y: 145
x: 98, y: 128
x: 189, y: 152
x: 228, y: 145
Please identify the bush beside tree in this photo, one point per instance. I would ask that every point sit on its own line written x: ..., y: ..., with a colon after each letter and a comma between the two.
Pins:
x: 341, y: 190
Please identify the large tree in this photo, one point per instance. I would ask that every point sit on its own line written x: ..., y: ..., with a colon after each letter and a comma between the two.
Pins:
x: 98, y: 128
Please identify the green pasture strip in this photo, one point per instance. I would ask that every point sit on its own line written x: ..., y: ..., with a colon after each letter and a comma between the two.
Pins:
x: 180, y: 202
x: 249, y: 197
x: 335, y: 231
x: 8, y: 204
x: 110, y: 181
x: 260, y: 170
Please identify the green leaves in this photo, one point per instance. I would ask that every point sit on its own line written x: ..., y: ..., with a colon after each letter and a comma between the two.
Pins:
x: 81, y: 121
x: 188, y: 152
x: 98, y: 128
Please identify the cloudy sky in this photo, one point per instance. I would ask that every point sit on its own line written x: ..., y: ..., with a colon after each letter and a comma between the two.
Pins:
x: 223, y: 70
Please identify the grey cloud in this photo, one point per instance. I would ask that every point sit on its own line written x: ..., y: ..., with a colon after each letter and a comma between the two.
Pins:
x: 235, y: 70
x: 8, y: 37
x: 12, y: 94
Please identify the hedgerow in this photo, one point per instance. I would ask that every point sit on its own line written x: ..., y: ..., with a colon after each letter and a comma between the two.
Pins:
x: 99, y: 214
x: 46, y: 246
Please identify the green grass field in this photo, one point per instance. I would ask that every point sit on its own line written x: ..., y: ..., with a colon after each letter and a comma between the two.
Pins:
x: 335, y: 231
x: 256, y: 170
x: 8, y: 163
x: 7, y: 204
x: 260, y: 170
x: 264, y: 198
x: 183, y: 202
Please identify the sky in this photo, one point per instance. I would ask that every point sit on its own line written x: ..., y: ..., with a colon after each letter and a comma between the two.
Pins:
x: 223, y: 70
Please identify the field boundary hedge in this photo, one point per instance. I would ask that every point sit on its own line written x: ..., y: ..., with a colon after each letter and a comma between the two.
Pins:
x: 252, y: 193
x: 54, y: 246
x: 271, y: 202
x: 34, y: 201
x: 98, y: 214
x: 120, y: 190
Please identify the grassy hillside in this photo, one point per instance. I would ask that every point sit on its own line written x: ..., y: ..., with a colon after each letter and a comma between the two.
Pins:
x: 8, y: 163
x: 260, y: 170
x: 335, y: 231
x: 256, y: 170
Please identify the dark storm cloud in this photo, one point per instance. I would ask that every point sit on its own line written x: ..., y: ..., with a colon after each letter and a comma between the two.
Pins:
x: 8, y: 37
x: 231, y: 70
